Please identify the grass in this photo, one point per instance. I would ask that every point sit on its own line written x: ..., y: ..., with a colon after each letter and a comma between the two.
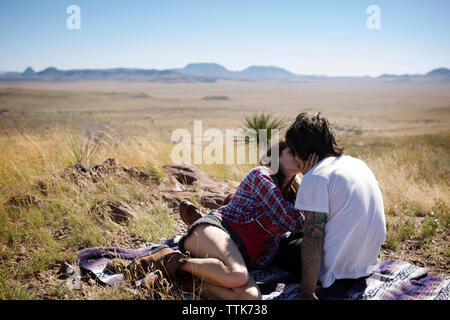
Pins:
x: 66, y: 207
x: 397, y: 231
x: 422, y: 227
x: 13, y: 289
x: 413, y: 173
x: 264, y: 121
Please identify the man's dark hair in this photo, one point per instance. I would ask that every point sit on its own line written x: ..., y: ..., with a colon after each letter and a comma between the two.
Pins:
x: 312, y: 134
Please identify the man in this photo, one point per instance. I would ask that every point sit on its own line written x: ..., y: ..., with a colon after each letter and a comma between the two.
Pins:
x: 343, y: 208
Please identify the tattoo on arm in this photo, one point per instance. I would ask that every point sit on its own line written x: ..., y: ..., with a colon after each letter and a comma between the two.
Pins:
x: 314, y: 222
x: 312, y: 249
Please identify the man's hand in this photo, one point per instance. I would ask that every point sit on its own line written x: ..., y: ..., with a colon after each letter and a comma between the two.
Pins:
x: 306, y: 296
x: 307, y: 165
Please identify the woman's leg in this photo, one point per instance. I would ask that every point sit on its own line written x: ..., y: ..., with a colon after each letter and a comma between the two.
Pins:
x: 217, y: 261
x: 248, y: 292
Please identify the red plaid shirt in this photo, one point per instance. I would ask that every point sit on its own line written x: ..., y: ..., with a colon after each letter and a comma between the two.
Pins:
x: 258, y: 198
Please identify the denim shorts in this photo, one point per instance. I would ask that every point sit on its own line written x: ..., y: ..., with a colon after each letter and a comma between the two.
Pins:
x: 218, y: 222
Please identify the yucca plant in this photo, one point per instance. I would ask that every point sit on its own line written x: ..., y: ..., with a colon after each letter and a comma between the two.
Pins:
x: 85, y: 145
x: 261, y: 121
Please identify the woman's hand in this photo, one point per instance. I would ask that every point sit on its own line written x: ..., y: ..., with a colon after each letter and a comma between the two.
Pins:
x: 308, y: 164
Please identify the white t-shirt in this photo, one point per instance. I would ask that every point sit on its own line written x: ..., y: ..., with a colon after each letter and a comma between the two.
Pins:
x: 347, y: 191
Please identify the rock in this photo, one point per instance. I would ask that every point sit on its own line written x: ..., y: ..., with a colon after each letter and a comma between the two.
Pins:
x: 24, y: 201
x: 135, y: 173
x: 121, y: 212
x: 171, y: 184
x: 187, y: 174
x: 80, y: 173
x: 61, y: 233
x: 118, y: 211
x: 33, y: 285
x: 172, y: 200
x: 187, y: 181
x: 22, y: 251
x: 212, y: 200
x: 42, y: 276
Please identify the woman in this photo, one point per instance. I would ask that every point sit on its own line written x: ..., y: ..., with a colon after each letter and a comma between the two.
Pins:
x: 244, y: 233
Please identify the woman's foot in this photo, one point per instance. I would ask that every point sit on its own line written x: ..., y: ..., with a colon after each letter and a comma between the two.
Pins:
x: 189, y: 213
x: 164, y: 259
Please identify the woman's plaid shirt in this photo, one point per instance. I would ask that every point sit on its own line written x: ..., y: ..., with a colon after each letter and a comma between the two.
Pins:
x: 258, y: 195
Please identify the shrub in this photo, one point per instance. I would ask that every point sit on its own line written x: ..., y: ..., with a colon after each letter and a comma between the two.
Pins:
x: 262, y: 121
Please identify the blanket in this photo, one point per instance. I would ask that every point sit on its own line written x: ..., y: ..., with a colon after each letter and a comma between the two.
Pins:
x: 391, y: 279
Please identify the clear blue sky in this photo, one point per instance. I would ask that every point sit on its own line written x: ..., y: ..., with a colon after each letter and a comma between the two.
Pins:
x: 306, y: 37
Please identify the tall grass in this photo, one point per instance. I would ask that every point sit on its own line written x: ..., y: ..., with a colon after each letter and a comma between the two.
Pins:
x: 414, y: 177
x: 413, y: 171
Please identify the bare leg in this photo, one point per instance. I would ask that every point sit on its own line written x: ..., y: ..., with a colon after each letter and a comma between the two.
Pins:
x: 248, y: 292
x: 217, y: 261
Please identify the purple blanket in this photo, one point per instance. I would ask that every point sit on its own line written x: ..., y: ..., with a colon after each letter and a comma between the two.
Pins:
x: 392, y: 279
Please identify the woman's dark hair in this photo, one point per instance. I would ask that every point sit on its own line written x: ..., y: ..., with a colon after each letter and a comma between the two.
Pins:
x: 312, y: 134
x: 289, y: 191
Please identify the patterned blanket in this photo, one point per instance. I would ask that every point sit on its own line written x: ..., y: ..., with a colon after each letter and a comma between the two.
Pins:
x: 391, y: 280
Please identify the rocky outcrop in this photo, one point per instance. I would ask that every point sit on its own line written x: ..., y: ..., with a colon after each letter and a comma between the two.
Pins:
x: 175, y: 183
x: 80, y: 173
x: 187, y: 181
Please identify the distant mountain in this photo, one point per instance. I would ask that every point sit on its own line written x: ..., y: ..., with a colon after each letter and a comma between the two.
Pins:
x: 53, y: 74
x: 441, y: 74
x: 255, y: 72
x: 206, y: 72
x: 388, y: 76
x: 251, y: 73
x: 436, y: 75
x: 29, y: 71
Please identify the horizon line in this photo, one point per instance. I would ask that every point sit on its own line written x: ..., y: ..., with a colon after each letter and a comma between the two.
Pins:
x: 215, y: 63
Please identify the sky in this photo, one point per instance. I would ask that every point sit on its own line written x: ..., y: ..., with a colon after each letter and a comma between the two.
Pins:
x: 326, y: 37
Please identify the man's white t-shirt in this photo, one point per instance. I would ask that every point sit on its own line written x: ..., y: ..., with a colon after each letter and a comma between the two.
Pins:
x: 347, y: 191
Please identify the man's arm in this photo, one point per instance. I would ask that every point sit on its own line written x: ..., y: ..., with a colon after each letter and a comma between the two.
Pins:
x: 312, y: 250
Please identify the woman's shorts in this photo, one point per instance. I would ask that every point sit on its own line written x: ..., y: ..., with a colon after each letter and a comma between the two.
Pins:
x: 218, y: 222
